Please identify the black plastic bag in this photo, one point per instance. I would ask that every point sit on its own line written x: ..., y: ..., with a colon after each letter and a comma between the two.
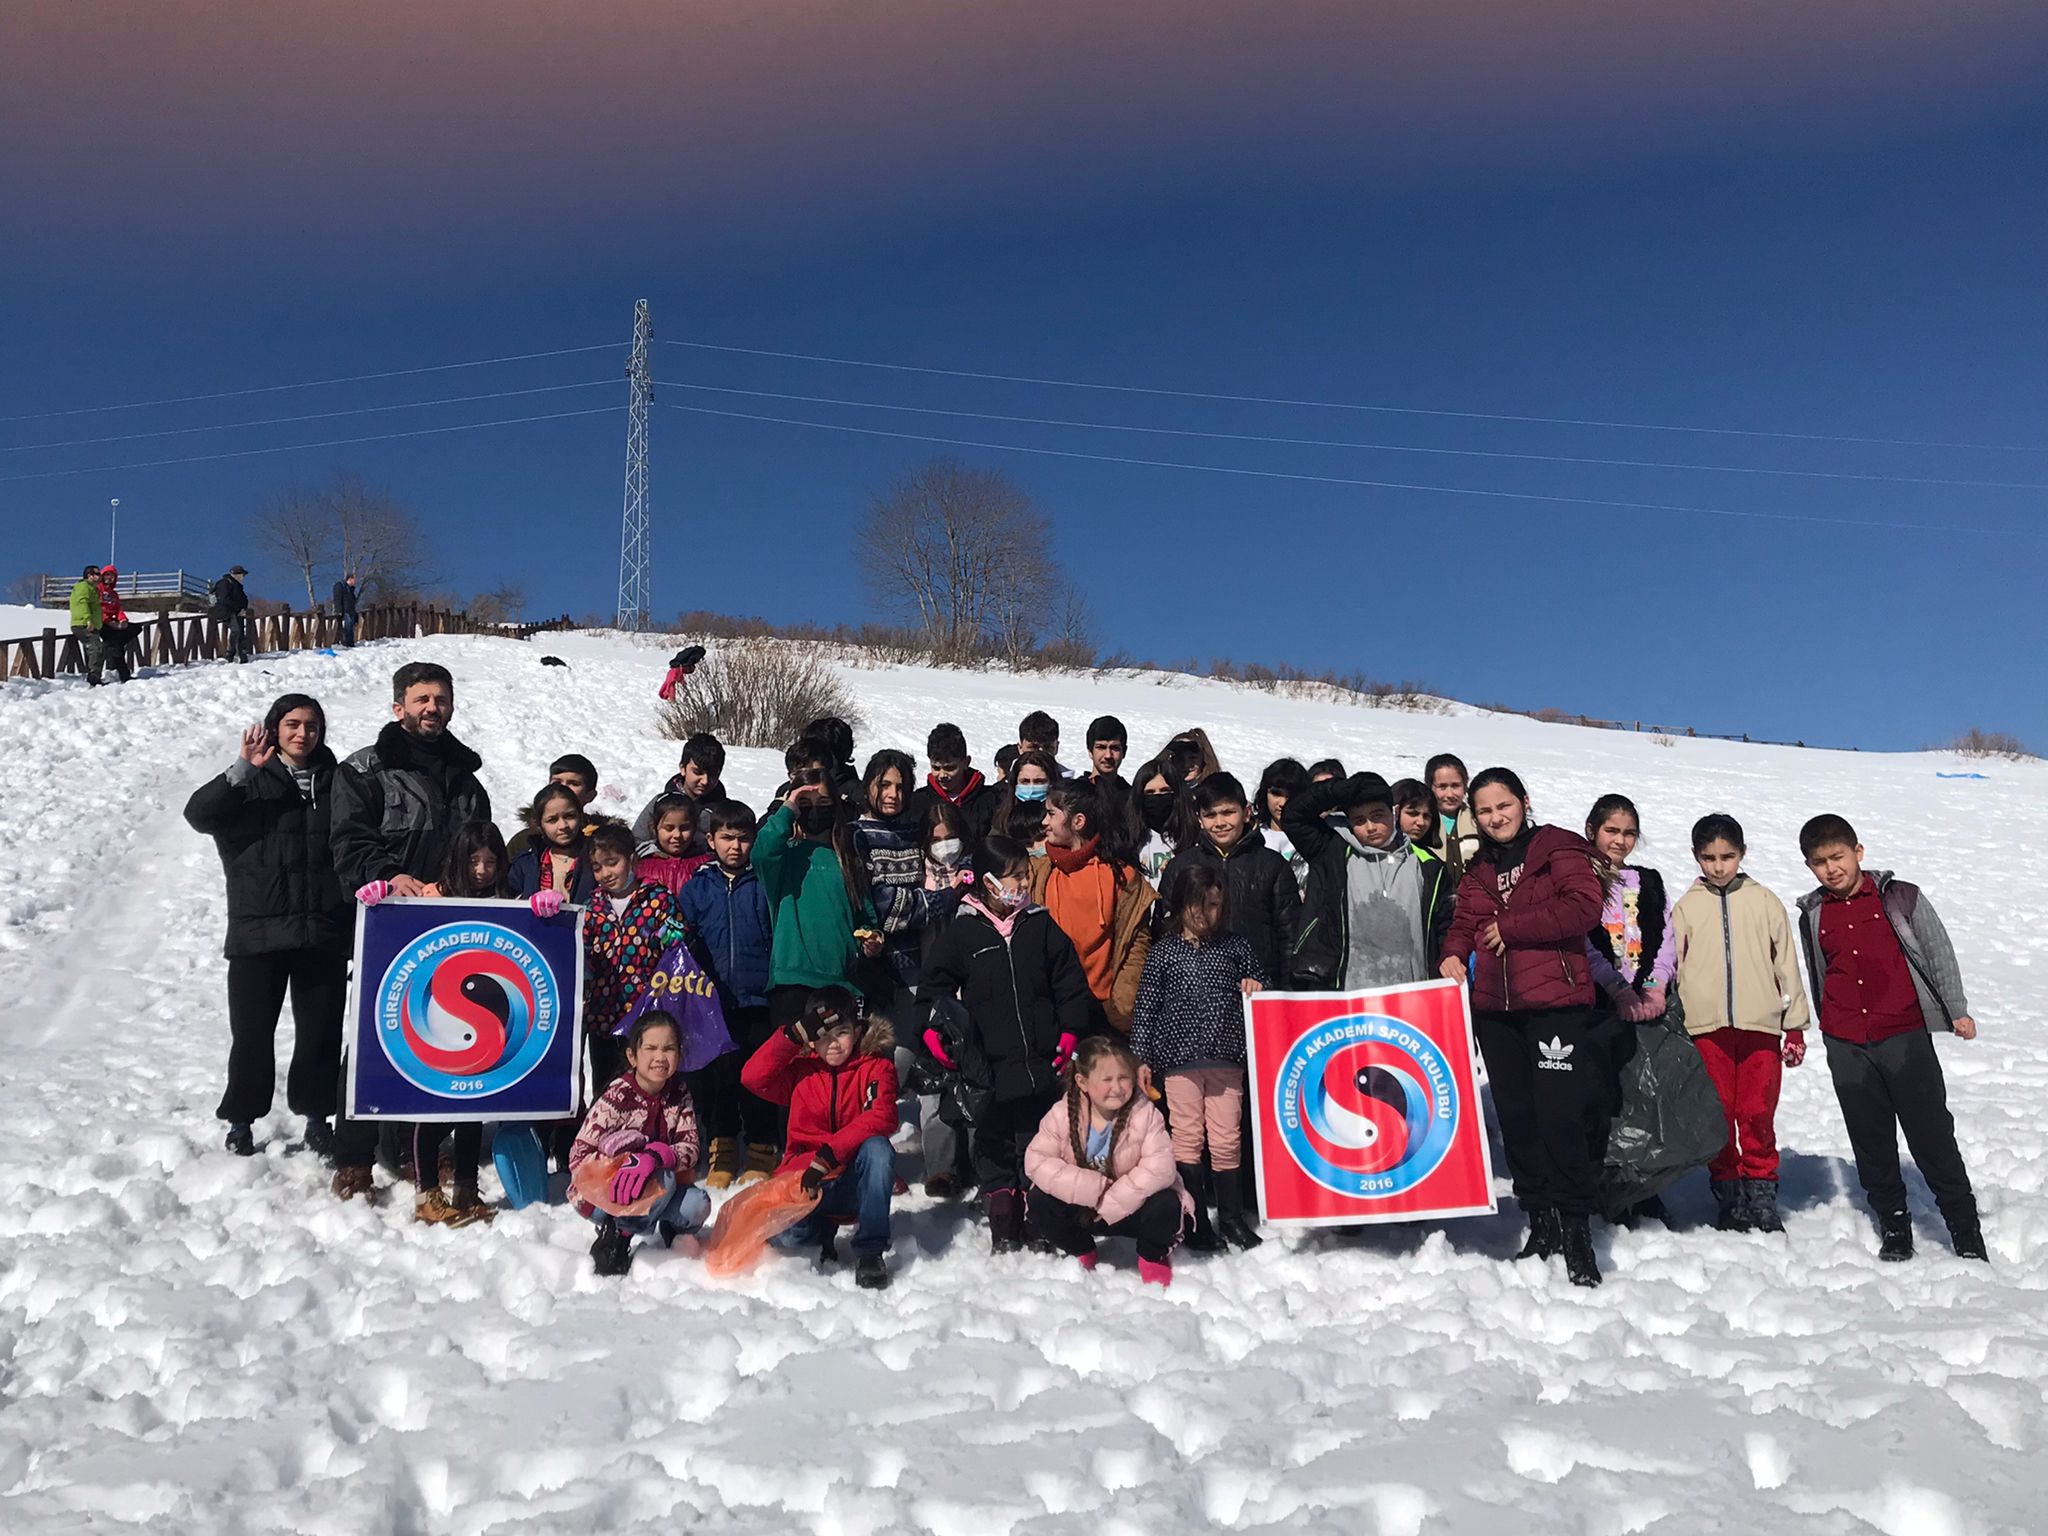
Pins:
x: 1669, y: 1119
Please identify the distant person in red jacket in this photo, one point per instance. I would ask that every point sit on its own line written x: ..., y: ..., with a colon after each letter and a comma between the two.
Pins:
x: 1524, y: 906
x: 114, y: 627
x: 837, y: 1073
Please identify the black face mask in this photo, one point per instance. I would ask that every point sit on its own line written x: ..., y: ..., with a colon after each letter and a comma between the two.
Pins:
x: 815, y: 817
x: 1157, y: 809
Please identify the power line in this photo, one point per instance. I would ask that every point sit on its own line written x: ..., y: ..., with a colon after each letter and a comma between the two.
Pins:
x: 271, y: 389
x: 1350, y: 405
x: 335, y: 442
x: 1323, y: 442
x: 1383, y: 485
x: 279, y: 421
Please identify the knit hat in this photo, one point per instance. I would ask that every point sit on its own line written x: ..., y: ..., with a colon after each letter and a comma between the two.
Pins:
x: 1367, y: 789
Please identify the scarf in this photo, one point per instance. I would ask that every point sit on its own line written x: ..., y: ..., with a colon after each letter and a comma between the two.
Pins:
x: 1071, y: 861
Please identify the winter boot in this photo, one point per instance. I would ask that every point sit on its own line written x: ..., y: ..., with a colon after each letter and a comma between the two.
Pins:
x: 612, y: 1252
x: 1730, y: 1197
x: 1005, y: 1221
x: 1966, y: 1236
x: 241, y: 1141
x: 350, y: 1182
x: 1895, y: 1238
x: 828, y: 1248
x: 1546, y: 1236
x: 871, y: 1272
x: 1762, y: 1199
x: 320, y: 1137
x: 1233, y: 1225
x: 1577, y: 1238
x: 433, y: 1209
x: 723, y: 1165
x: 1087, y: 1260
x: 466, y: 1208
x: 1203, y: 1238
x: 943, y: 1186
x: 760, y: 1163
x: 1157, y: 1272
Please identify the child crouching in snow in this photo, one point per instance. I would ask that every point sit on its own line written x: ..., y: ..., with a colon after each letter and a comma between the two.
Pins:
x: 1102, y: 1165
x: 646, y: 1116
x: 837, y: 1073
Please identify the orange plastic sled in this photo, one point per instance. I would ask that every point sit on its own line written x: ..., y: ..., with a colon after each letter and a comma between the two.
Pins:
x: 739, y: 1236
x: 593, y: 1185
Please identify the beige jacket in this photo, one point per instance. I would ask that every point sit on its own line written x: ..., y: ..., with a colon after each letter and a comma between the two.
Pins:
x: 1737, y: 963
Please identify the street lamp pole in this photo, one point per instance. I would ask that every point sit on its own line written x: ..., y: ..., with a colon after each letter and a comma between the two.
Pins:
x: 113, y: 527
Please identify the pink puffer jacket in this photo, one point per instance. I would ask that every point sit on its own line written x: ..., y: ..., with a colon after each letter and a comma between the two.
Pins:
x: 1140, y: 1164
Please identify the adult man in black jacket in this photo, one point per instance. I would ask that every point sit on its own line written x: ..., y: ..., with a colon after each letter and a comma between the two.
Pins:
x: 231, y: 605
x: 289, y: 922
x: 345, y: 607
x: 396, y: 804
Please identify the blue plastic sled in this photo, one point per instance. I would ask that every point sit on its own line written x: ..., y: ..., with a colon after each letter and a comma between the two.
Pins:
x: 522, y: 1165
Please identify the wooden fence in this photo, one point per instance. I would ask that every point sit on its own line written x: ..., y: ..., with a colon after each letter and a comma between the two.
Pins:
x: 177, y: 642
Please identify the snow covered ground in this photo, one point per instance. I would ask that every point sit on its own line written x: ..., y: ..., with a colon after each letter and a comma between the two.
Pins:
x: 191, y: 1341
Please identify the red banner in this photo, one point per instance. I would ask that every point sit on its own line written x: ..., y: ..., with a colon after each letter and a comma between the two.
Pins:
x: 1366, y: 1106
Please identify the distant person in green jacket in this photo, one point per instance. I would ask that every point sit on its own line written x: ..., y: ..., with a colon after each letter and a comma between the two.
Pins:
x: 86, y: 618
x: 816, y: 883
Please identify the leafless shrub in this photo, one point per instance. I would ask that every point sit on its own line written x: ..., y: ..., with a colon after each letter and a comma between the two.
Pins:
x: 1976, y: 742
x: 757, y: 692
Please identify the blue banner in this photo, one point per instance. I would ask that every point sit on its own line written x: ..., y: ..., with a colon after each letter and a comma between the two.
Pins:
x: 465, y: 1010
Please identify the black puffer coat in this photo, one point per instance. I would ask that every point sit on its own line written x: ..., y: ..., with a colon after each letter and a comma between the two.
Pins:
x: 1265, y: 899
x: 1019, y: 997
x: 283, y: 893
x: 397, y: 803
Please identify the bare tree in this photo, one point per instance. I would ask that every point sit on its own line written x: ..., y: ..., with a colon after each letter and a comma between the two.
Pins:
x: 961, y: 553
x: 380, y: 539
x: 297, y: 526
x: 501, y: 605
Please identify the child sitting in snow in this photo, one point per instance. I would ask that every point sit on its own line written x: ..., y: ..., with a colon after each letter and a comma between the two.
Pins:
x: 646, y: 1117
x: 1101, y: 1165
x: 1189, y: 1029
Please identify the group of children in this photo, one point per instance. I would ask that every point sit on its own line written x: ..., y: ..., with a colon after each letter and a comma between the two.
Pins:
x: 1049, y: 972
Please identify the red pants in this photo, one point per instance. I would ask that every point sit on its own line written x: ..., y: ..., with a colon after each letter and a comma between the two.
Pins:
x: 1746, y: 1069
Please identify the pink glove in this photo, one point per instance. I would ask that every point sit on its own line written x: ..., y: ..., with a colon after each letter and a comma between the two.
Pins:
x: 546, y: 903
x: 1795, y: 1048
x: 374, y: 892
x: 1063, y: 1053
x: 676, y: 675
x: 630, y: 1182
x: 1640, y: 1007
x: 937, y: 1047
x: 621, y: 1142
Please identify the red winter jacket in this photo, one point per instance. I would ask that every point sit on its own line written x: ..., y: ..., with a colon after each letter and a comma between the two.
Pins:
x: 1544, y: 920
x: 839, y: 1108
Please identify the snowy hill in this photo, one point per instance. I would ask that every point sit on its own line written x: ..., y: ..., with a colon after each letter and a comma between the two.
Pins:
x: 191, y: 1341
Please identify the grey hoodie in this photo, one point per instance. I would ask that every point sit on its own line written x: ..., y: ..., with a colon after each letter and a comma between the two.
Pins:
x: 1383, y: 897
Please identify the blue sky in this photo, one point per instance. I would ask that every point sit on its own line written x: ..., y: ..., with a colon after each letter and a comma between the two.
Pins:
x: 1747, y: 231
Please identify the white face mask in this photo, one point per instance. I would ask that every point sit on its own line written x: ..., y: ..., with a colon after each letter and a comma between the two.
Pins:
x: 947, y: 851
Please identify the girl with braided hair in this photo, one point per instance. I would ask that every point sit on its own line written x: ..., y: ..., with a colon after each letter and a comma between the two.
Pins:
x: 1101, y: 1165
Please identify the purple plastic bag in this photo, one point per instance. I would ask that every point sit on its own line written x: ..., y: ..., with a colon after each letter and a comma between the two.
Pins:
x: 679, y: 987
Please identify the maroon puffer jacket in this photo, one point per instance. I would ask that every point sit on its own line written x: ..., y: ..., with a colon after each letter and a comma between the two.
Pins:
x: 1544, y: 921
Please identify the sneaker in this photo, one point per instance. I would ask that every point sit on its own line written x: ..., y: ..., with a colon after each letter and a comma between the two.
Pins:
x: 1967, y: 1238
x: 1155, y: 1272
x: 943, y: 1186
x: 612, y: 1253
x: 1762, y: 1200
x: 1895, y: 1239
x: 722, y: 1166
x: 347, y: 1183
x: 241, y: 1141
x: 760, y: 1162
x: 1546, y: 1235
x: 1579, y: 1261
x: 871, y: 1272
x: 466, y: 1208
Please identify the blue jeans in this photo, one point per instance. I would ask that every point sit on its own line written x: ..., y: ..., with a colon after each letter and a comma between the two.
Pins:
x: 686, y: 1208
x: 862, y: 1191
x: 348, y: 629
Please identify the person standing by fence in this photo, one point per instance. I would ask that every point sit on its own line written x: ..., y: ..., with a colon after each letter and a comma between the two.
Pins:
x: 114, y: 628
x: 346, y: 607
x: 86, y: 618
x: 231, y: 606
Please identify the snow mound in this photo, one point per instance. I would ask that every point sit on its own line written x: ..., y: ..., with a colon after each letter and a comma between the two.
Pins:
x: 195, y: 1342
